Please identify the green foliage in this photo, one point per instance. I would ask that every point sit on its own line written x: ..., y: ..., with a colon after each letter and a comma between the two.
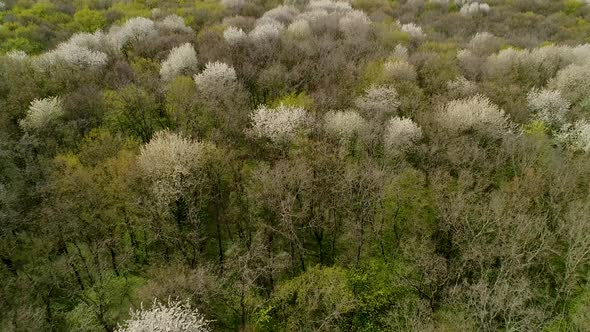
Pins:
x: 88, y: 20
x: 295, y: 99
x: 320, y: 292
x: 460, y: 232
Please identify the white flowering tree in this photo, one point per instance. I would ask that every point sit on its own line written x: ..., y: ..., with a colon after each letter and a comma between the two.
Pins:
x: 413, y: 30
x: 137, y: 29
x: 42, y: 112
x: 329, y: 5
x: 399, y: 70
x: 299, y: 29
x: 355, y: 24
x: 175, y: 316
x: 573, y: 82
x: 234, y: 36
x: 400, y: 135
x: 173, y: 23
x: 576, y: 136
x: 171, y: 163
x: 266, y: 32
x: 345, y: 125
x: 73, y: 54
x: 281, y: 124
x: 284, y: 14
x: 548, y: 106
x: 17, y: 55
x: 180, y: 60
x: 460, y: 87
x: 378, y: 101
x: 216, y: 80
x: 474, y: 8
x: 476, y: 113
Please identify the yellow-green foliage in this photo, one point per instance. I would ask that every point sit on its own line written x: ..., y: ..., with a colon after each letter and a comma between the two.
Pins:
x: 88, y: 20
x: 390, y: 35
x: 300, y: 99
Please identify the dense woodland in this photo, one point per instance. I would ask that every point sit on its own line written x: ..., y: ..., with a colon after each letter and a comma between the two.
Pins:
x: 254, y: 165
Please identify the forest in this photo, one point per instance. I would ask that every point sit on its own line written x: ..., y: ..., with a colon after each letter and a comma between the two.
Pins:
x: 296, y: 165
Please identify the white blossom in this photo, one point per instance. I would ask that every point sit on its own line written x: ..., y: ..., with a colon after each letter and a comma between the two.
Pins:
x: 461, y: 87
x: 300, y: 29
x: 283, y: 14
x: 266, y: 32
x: 136, y: 29
x: 41, y: 112
x: 504, y: 62
x: 216, y: 79
x: 173, y: 23
x: 413, y: 30
x: 171, y: 161
x: 378, y: 101
x: 181, y: 59
x: 576, y: 136
x: 401, y: 52
x: 175, y: 316
x: 548, y: 106
x: 474, y: 113
x: 96, y: 41
x: 573, y: 82
x: 17, y: 55
x: 233, y: 35
x: 483, y: 44
x: 281, y: 124
x: 355, y: 24
x: 400, y: 134
x: 344, y: 124
x: 72, y: 54
x: 313, y: 16
x: 329, y: 5
x: 399, y: 70
x: 474, y: 8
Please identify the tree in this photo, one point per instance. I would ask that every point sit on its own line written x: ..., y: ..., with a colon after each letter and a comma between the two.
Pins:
x: 378, y: 102
x: 181, y: 60
x: 175, y: 316
x: 280, y: 125
x: 400, y: 135
x: 41, y: 113
x: 474, y: 113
